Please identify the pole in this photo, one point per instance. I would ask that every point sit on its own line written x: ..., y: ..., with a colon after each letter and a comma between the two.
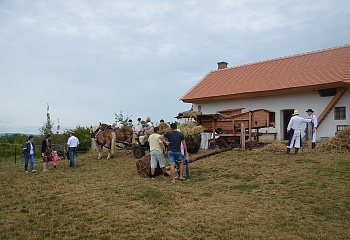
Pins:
x: 309, y: 134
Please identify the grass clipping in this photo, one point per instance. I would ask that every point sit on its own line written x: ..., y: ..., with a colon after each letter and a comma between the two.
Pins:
x: 340, y: 143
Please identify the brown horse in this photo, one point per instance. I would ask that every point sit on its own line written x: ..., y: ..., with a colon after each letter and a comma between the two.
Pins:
x: 106, y: 136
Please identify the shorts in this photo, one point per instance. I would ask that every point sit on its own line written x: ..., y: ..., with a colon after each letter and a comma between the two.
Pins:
x: 156, y: 157
x: 175, y: 156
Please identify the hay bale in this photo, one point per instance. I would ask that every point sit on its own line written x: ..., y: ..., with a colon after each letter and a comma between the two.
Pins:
x: 340, y: 143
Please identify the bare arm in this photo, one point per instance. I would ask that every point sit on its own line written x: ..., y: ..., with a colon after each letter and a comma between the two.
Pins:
x: 185, y: 146
x: 163, y: 139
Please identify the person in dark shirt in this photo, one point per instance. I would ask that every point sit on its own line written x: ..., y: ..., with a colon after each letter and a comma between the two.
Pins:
x: 175, y: 138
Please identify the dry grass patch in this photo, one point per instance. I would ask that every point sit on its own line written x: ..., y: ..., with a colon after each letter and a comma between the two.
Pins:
x: 232, y: 195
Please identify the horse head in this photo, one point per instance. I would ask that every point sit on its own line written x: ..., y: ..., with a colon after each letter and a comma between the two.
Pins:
x: 104, y: 126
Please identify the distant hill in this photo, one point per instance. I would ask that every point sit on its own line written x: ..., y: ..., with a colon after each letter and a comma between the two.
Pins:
x: 25, y: 134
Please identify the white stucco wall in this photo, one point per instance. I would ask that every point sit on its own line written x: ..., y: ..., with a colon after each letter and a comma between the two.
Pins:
x: 277, y: 104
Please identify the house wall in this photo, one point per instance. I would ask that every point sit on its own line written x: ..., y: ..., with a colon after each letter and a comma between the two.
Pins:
x: 278, y: 104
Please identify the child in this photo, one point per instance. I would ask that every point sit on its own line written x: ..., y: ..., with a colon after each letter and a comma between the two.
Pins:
x: 55, y: 159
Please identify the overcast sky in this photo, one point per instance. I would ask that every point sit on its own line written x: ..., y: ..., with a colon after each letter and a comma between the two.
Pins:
x: 90, y: 59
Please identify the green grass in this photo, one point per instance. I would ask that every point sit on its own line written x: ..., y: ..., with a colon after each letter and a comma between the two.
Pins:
x: 232, y: 195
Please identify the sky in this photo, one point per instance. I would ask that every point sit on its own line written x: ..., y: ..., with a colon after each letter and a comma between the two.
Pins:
x: 91, y: 59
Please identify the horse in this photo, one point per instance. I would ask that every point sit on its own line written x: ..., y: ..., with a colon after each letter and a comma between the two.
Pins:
x: 106, y: 136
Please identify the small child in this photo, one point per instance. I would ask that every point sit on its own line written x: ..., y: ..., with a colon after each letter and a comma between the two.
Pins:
x: 55, y: 159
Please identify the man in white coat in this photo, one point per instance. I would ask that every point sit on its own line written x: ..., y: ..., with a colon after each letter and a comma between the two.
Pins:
x: 313, y: 118
x: 294, y: 128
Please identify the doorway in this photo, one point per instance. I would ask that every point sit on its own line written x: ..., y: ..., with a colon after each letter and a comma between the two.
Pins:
x: 287, y: 114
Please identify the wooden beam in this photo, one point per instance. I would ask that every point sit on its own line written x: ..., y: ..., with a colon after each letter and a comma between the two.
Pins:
x: 331, y: 105
x: 309, y: 134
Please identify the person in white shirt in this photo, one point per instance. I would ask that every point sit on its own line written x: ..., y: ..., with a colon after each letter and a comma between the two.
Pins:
x: 72, y: 144
x: 294, y: 128
x: 313, y: 118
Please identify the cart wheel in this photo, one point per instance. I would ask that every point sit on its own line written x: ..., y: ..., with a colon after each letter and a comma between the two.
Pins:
x: 139, y: 152
x: 193, y: 148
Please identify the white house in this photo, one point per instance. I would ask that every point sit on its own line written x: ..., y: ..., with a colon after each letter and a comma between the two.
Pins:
x: 318, y: 80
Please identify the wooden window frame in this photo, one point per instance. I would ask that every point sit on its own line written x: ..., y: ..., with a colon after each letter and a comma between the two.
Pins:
x: 340, y: 113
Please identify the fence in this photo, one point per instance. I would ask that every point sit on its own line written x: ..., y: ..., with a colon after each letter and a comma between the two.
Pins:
x: 13, y: 152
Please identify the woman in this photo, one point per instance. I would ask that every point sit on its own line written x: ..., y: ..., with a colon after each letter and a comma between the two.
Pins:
x: 46, y: 151
x: 29, y: 153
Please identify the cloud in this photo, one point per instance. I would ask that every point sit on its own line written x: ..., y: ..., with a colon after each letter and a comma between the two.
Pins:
x: 91, y: 59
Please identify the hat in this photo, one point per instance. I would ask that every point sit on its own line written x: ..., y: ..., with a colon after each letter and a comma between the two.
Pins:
x: 295, y: 112
x: 309, y: 110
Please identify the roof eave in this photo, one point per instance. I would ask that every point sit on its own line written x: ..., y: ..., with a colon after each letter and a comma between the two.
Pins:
x: 266, y: 93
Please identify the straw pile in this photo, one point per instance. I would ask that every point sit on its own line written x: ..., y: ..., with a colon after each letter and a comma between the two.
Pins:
x: 340, y: 143
x: 273, y: 147
x: 188, y: 114
x: 190, y: 128
x: 163, y: 128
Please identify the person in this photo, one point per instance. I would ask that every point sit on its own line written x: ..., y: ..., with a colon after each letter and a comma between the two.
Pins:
x: 46, y: 152
x: 294, y: 128
x: 55, y: 159
x: 174, y: 150
x: 72, y: 145
x: 130, y: 122
x: 148, y: 124
x: 138, y: 127
x: 29, y: 153
x: 313, y: 118
x: 157, y: 151
x: 147, y: 127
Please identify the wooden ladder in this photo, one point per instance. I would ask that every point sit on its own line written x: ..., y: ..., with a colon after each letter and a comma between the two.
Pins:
x: 331, y: 105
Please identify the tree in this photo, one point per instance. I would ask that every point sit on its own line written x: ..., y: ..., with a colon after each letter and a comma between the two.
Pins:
x: 48, y: 126
x: 119, y: 118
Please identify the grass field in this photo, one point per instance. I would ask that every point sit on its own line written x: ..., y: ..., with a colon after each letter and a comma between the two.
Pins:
x: 231, y: 195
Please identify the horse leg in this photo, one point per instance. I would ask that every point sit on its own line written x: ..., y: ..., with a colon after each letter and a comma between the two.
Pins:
x: 100, y: 152
x: 113, y: 138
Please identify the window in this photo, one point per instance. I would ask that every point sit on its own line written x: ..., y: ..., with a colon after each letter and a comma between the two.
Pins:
x: 327, y: 92
x: 339, y: 113
x: 341, y: 127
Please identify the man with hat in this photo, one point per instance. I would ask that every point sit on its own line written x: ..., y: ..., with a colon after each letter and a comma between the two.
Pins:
x: 313, y: 118
x: 294, y: 128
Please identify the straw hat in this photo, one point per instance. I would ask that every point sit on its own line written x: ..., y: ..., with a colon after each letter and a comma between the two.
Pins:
x: 295, y: 112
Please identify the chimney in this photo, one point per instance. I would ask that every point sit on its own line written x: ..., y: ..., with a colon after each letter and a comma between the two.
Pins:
x: 222, y: 65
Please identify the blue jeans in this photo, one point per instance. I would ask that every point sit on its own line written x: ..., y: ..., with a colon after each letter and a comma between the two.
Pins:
x: 172, y: 156
x: 71, y: 154
x: 29, y: 159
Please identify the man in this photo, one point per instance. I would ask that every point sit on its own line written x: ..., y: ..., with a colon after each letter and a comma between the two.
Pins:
x: 174, y: 150
x: 72, y: 144
x: 157, y: 149
x: 313, y: 118
x: 294, y: 128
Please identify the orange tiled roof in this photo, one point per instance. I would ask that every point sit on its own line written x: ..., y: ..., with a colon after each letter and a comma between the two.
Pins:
x: 326, y: 68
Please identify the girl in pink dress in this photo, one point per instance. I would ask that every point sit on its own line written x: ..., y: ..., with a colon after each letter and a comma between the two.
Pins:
x: 55, y: 159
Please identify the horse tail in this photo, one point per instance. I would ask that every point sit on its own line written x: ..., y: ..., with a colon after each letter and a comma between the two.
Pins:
x: 113, y: 136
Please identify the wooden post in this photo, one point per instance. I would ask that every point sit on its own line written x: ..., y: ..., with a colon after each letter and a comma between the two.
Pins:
x: 250, y: 126
x: 242, y: 136
x: 309, y: 134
